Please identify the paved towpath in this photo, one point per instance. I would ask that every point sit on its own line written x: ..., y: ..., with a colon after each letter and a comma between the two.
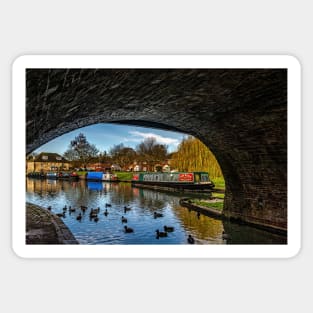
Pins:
x: 43, y: 227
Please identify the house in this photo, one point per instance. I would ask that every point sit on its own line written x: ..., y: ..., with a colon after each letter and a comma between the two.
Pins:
x: 137, y: 167
x: 46, y: 162
x: 99, y: 167
x: 115, y: 167
x: 144, y: 167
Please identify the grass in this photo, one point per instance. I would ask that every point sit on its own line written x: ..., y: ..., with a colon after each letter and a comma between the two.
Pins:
x: 218, y: 195
x: 219, y: 182
x: 215, y: 205
x: 80, y: 173
x: 124, y: 175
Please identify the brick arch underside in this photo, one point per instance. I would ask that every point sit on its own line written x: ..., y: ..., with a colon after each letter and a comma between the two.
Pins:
x: 240, y: 114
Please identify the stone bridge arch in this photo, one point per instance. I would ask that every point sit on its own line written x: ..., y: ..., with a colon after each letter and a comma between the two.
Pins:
x: 241, y: 114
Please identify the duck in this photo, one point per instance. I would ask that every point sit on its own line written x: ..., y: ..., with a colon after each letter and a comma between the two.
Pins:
x: 128, y: 229
x: 49, y: 208
x: 126, y: 209
x: 79, y: 217
x: 96, y: 219
x: 225, y: 236
x: 156, y: 214
x: 124, y: 219
x: 161, y: 233
x: 108, y: 205
x: 168, y: 229
x: 190, y: 239
x: 83, y: 208
x: 72, y: 209
x: 93, y: 213
x: 61, y: 214
x: 65, y: 208
x: 106, y: 212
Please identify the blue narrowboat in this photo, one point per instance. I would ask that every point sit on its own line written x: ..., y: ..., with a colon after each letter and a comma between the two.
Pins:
x: 100, y: 176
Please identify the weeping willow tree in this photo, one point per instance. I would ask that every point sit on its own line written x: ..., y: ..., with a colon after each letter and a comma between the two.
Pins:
x: 193, y: 155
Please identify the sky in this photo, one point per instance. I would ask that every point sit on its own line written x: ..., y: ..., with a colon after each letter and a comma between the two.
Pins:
x: 105, y: 136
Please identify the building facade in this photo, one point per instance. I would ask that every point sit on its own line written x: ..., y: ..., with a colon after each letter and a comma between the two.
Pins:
x: 46, y: 162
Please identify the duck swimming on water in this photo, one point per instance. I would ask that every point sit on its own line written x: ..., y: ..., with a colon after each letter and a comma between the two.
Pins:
x: 156, y: 214
x: 160, y: 234
x: 128, y: 229
x: 225, y: 236
x: 168, y: 229
x: 79, y: 217
x: 190, y: 239
x: 126, y: 209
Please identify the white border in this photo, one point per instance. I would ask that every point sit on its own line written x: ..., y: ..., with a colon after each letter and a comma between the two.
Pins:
x: 156, y: 61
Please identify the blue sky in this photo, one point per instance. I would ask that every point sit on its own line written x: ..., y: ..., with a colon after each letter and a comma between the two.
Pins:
x: 105, y: 136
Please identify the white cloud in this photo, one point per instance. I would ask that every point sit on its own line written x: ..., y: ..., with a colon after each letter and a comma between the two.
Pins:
x: 138, y: 136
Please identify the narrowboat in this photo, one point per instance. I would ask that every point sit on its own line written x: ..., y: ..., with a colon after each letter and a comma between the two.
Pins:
x: 67, y: 176
x: 52, y: 175
x: 100, y: 176
x: 74, y: 176
x: 63, y: 175
x: 39, y: 175
x: 198, y: 181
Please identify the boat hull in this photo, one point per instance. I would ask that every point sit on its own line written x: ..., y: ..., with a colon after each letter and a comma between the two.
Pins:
x: 176, y: 185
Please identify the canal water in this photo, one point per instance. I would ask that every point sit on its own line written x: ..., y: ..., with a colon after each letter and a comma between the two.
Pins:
x: 109, y: 229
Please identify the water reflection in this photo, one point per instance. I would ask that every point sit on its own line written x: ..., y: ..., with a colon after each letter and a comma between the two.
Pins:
x: 109, y: 229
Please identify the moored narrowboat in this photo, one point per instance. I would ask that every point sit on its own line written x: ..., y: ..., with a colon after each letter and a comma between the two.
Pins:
x: 74, y: 176
x: 63, y: 175
x: 176, y: 180
x: 39, y: 175
x: 52, y: 175
x: 100, y: 176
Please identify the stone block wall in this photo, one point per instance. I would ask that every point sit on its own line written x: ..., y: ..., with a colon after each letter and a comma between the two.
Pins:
x: 240, y: 114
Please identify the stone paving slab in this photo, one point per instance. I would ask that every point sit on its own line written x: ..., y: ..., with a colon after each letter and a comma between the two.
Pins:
x: 44, y: 227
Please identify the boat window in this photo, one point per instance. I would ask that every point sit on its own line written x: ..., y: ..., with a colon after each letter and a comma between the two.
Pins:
x: 204, y: 177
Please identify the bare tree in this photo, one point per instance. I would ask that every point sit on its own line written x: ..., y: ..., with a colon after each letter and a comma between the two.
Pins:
x: 151, y: 152
x: 81, y: 150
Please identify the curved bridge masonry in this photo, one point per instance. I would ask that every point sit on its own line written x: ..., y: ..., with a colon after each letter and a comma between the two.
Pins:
x: 240, y: 114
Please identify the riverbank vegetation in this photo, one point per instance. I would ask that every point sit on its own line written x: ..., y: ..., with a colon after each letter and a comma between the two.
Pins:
x: 218, y: 205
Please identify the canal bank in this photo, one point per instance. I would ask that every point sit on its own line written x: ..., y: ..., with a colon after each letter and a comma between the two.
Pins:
x: 211, y: 212
x: 43, y: 227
